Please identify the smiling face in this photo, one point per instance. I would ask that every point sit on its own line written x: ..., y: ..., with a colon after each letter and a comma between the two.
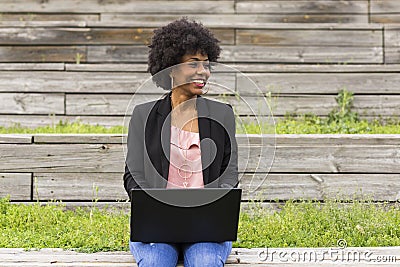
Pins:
x: 191, y: 75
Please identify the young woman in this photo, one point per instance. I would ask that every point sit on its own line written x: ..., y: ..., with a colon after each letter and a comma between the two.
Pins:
x: 182, y: 140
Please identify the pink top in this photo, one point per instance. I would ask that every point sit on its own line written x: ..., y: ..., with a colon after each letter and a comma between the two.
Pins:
x: 185, y: 169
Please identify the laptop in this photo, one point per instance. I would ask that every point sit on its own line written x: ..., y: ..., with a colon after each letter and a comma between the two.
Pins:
x: 185, y: 215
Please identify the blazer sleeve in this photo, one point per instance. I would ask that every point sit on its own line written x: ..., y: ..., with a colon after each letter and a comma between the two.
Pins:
x: 134, y: 162
x: 229, y: 168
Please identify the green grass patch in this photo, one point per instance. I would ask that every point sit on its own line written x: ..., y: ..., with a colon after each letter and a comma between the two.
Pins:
x: 304, y: 124
x: 304, y: 224
x: 64, y: 128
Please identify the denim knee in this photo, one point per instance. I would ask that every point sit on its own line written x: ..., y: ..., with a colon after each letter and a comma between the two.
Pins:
x: 208, y: 260
x: 154, y: 254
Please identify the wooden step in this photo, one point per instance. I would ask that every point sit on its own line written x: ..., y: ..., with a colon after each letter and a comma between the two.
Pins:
x: 313, y: 257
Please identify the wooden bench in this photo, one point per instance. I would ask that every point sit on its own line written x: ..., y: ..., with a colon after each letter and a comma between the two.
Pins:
x: 259, y: 257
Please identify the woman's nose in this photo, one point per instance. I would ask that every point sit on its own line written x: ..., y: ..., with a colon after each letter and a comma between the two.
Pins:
x: 201, y: 69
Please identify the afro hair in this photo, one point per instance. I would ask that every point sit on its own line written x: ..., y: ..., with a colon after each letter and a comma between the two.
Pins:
x: 171, y: 42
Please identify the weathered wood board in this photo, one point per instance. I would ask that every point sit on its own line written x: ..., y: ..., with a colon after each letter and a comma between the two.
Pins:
x: 264, y: 187
x: 385, y: 18
x: 16, y: 186
x: 94, y: 6
x: 290, y: 159
x: 32, y: 66
x: 243, y: 105
x: 287, y: 81
x: 385, y: 6
x: 42, y: 54
x: 252, y: 53
x: 260, y: 257
x: 307, y: 54
x: 303, y: 7
x: 79, y: 186
x: 239, y: 66
x: 89, y: 36
x: 31, y: 103
x: 392, y: 44
x: 312, y: 37
x: 250, y: 21
x: 318, y: 83
x: 30, y: 16
x: 33, y: 121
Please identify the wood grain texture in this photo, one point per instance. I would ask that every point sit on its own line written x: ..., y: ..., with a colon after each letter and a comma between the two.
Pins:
x: 320, y: 186
x: 392, y: 44
x: 252, y: 53
x: 33, y: 121
x: 312, y: 18
x: 303, y: 7
x: 337, y: 38
x: 89, y: 36
x: 289, y: 159
x: 242, y: 67
x: 86, y: 6
x: 276, y: 80
x: 79, y: 186
x: 16, y: 139
x: 24, y: 24
x: 25, y: 54
x: 244, y: 105
x: 392, y: 55
x: 264, y: 187
x: 385, y: 18
x: 16, y: 186
x: 392, y: 37
x: 309, y: 54
x: 101, y: 54
x: 96, y: 82
x: 245, y: 21
x: 32, y: 66
x: 112, y: 67
x: 76, y: 138
x: 385, y: 6
x: 75, y: 82
x: 48, y: 17
x: 309, y: 140
x: 238, y: 257
x: 27, y: 103
x: 318, y: 83
x: 60, y: 158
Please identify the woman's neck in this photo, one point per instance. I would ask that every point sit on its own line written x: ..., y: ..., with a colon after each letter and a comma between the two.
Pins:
x: 183, y: 101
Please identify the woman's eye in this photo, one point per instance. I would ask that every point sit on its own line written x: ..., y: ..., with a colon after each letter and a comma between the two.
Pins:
x: 194, y: 65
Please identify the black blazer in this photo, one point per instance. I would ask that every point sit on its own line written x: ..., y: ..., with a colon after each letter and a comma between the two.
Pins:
x: 149, y: 135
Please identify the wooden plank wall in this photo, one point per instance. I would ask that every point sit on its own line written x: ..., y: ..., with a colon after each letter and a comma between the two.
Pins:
x: 69, y: 60
x: 85, y: 60
x: 88, y: 167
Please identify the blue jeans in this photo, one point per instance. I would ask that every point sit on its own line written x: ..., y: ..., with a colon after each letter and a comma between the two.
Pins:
x: 205, y: 254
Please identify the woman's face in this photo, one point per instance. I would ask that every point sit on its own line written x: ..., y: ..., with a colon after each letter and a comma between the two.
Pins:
x: 191, y: 75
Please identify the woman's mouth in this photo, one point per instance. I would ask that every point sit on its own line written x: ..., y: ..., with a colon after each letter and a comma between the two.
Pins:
x: 199, y: 82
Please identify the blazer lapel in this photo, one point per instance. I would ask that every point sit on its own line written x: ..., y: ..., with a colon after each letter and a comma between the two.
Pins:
x: 164, y: 128
x: 205, y: 133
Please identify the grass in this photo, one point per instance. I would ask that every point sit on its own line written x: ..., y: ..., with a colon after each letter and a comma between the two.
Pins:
x: 305, y: 124
x: 304, y: 224
x: 64, y: 128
